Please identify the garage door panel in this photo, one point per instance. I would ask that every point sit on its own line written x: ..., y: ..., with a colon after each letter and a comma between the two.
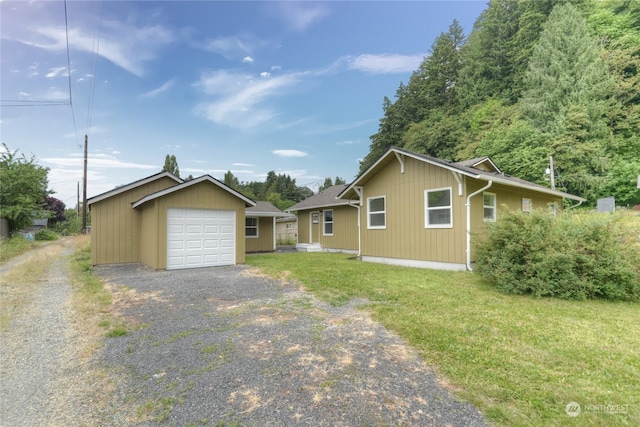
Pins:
x: 211, y: 244
x: 194, y: 244
x: 200, y: 238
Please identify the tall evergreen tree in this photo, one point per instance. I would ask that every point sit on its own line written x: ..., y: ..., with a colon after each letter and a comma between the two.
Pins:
x: 567, y: 87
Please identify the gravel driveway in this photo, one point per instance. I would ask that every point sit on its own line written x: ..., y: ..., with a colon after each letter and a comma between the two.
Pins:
x: 226, y: 346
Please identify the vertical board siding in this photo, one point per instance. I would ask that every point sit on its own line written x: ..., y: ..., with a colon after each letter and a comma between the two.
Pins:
x: 264, y: 242
x: 204, y: 195
x: 405, y: 236
x: 114, y: 224
x: 345, y: 229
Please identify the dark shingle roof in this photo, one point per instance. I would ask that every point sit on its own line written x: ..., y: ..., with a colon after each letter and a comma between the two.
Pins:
x: 324, y: 199
x: 265, y: 209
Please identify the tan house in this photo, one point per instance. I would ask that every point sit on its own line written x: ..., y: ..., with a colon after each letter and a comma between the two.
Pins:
x: 260, y: 227
x: 420, y: 211
x: 167, y: 223
x: 287, y: 229
x: 326, y: 223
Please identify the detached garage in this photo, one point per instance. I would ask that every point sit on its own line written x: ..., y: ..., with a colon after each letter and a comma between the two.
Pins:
x: 167, y: 223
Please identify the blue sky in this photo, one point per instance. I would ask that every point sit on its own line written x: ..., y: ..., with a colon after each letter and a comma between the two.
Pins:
x: 293, y: 87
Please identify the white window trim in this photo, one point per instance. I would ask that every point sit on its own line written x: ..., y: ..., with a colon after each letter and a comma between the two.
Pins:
x: 376, y: 227
x: 427, y: 208
x: 324, y: 222
x: 495, y: 207
x: 530, y: 204
x: 257, y: 227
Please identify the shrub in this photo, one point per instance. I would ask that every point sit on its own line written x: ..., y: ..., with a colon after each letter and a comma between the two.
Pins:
x: 573, y: 256
x: 69, y: 227
x: 46, y: 234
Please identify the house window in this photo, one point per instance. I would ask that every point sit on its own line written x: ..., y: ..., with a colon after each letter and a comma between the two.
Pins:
x: 251, y: 227
x: 438, y: 212
x: 377, y: 217
x: 489, y: 207
x: 328, y: 222
x: 288, y: 226
x: 526, y: 205
x: 314, y: 217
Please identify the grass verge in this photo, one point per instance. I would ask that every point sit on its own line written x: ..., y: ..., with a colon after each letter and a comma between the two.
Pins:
x: 92, y: 299
x: 520, y: 360
x: 10, y: 248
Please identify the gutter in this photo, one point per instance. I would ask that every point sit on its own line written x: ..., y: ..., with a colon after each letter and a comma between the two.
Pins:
x: 468, y: 205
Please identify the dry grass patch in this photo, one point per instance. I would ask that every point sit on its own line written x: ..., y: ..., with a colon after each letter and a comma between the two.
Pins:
x: 18, y: 284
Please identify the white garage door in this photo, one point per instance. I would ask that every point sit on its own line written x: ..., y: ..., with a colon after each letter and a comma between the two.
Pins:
x: 200, y: 238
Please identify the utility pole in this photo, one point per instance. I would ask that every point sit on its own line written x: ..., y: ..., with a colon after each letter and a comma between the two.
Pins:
x: 84, y: 187
x: 78, y: 202
x: 553, y: 176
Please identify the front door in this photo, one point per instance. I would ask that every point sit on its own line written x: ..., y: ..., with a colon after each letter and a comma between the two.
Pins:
x: 315, y: 227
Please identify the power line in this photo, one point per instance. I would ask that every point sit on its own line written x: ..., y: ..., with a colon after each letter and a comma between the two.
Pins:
x: 32, y: 103
x: 66, y: 29
x: 96, y: 48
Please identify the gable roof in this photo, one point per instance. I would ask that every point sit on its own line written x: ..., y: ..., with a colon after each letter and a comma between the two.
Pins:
x: 265, y: 209
x: 326, y: 198
x: 186, y: 184
x: 475, y: 163
x: 461, y: 167
x: 132, y: 185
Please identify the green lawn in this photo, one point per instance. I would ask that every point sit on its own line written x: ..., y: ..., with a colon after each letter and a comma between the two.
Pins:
x: 519, y: 359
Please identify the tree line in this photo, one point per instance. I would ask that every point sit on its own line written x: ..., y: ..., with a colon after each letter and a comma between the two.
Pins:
x: 278, y: 189
x: 533, y: 79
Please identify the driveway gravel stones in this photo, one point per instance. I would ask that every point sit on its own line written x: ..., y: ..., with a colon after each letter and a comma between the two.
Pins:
x: 228, y: 346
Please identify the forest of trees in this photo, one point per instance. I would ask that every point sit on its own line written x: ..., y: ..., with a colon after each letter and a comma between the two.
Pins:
x: 278, y: 189
x: 533, y: 79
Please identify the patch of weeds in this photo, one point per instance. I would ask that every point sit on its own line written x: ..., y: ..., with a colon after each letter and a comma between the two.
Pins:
x: 175, y: 337
x: 231, y: 423
x: 222, y: 355
x: 146, y: 409
x: 210, y: 349
x: 167, y: 405
x: 316, y: 332
x: 117, y: 331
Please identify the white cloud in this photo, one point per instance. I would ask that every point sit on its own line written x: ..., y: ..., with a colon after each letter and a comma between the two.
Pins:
x: 246, y: 165
x: 275, y: 67
x: 300, y: 16
x: 239, y: 99
x: 384, y: 63
x: 347, y: 142
x: 23, y: 94
x: 265, y: 74
x: 290, y: 153
x: 235, y: 47
x: 157, y: 91
x: 124, y: 44
x: 57, y: 71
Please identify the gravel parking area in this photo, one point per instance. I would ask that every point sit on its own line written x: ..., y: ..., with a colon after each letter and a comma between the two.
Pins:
x: 227, y: 346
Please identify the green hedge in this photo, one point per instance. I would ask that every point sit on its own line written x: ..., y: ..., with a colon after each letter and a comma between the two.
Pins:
x: 572, y: 256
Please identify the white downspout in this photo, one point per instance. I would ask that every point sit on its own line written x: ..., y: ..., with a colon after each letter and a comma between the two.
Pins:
x: 468, y: 205
x: 575, y: 206
x: 359, y: 228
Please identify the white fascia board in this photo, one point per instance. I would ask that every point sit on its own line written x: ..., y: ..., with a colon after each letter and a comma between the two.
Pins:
x: 188, y: 184
x: 133, y: 185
